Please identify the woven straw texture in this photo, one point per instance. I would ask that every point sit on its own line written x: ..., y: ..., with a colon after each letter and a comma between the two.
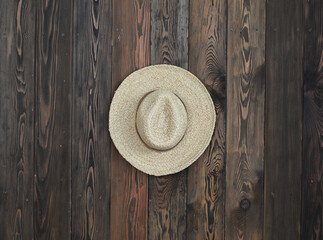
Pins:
x: 161, y: 120
x: 198, y: 127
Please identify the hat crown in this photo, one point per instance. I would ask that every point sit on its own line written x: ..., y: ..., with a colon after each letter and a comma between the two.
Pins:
x: 161, y: 120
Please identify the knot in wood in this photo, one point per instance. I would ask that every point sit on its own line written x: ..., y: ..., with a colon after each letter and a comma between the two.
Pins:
x: 245, y: 204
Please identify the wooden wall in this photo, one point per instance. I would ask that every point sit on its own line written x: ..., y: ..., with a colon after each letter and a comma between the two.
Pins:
x: 261, y: 177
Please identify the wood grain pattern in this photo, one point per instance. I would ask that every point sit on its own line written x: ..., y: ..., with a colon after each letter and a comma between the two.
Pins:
x: 90, y: 135
x: 207, y: 60
x: 61, y: 177
x: 283, y: 123
x: 169, y: 32
x: 245, y: 120
x: 52, y: 182
x: 169, y: 45
x: 312, y: 182
x: 129, y: 187
x: 167, y: 206
x: 16, y: 118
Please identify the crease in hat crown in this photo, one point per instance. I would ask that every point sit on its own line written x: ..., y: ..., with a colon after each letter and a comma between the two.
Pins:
x: 161, y: 120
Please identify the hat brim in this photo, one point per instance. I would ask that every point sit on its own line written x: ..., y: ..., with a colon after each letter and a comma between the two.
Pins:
x: 122, y: 119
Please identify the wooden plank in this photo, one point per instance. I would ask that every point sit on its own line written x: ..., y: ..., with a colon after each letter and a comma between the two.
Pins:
x: 169, y: 32
x: 207, y: 60
x: 167, y: 206
x: 90, y: 135
x: 169, y: 45
x: 53, y: 119
x: 17, y: 27
x: 129, y: 186
x: 312, y: 182
x: 245, y: 120
x: 283, y: 123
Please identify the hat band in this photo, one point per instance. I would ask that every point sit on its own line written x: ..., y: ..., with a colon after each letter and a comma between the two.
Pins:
x: 161, y: 120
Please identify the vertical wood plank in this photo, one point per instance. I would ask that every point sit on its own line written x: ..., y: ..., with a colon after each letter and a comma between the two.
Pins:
x: 17, y: 31
x: 53, y: 118
x: 129, y: 187
x: 90, y: 136
x: 312, y: 182
x: 283, y: 123
x: 245, y: 120
x: 169, y: 32
x: 169, y: 45
x: 207, y: 60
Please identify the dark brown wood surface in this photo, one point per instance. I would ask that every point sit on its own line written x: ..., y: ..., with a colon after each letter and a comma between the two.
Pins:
x: 129, y: 186
x: 61, y: 176
x: 245, y: 120
x: 169, y: 45
x: 16, y: 118
x: 312, y: 181
x: 207, y: 60
x: 90, y: 135
x: 52, y: 171
x: 283, y: 122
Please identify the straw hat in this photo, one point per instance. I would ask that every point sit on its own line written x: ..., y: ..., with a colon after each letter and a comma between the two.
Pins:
x: 161, y: 119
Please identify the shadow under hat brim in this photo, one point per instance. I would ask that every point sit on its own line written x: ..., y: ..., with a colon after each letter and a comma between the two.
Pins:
x: 122, y: 119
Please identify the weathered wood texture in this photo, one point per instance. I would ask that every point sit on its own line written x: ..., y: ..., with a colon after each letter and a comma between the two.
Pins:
x: 61, y: 177
x: 283, y: 122
x: 245, y: 120
x: 16, y: 118
x: 53, y: 119
x: 207, y: 60
x: 90, y: 135
x: 129, y: 186
x: 169, y: 32
x: 312, y: 184
x: 169, y: 45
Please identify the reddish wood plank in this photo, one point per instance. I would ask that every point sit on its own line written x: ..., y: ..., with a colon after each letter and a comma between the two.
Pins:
x: 16, y: 118
x: 167, y: 194
x: 207, y: 60
x: 90, y: 135
x: 283, y: 122
x: 312, y: 182
x: 129, y: 187
x: 53, y: 119
x: 245, y: 120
